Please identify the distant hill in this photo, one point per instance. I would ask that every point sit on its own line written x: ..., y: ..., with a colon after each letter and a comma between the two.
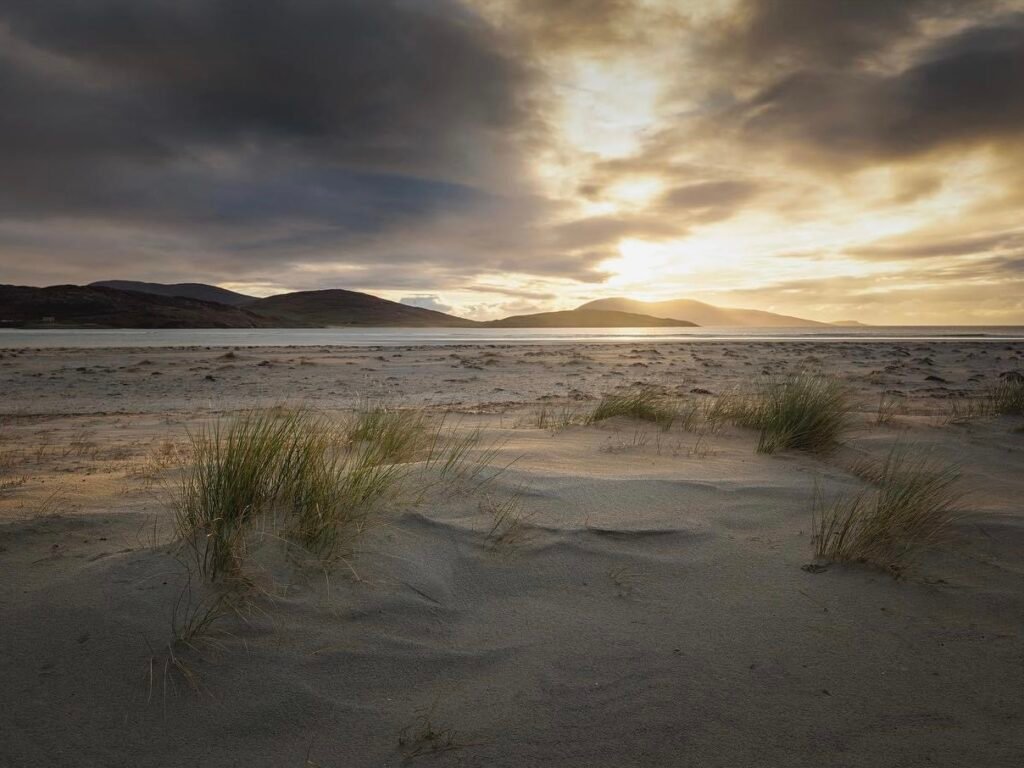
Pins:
x: 700, y: 313
x: 99, y: 307
x: 199, y: 291
x: 849, y: 323
x: 586, y: 318
x: 131, y: 304
x: 346, y: 308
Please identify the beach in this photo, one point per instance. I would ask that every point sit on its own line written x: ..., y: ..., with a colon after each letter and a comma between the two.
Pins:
x: 651, y: 598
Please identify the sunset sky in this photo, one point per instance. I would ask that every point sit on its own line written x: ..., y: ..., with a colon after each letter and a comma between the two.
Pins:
x: 827, y: 159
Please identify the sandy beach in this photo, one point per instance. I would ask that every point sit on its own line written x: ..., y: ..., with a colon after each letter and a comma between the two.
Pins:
x: 650, y: 605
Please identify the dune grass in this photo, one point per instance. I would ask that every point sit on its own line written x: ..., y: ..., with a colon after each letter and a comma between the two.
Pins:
x: 396, y: 434
x: 1007, y: 397
x: 889, y: 406
x: 314, y: 480
x: 239, y: 468
x: 508, y: 524
x: 554, y: 418
x: 803, y: 412
x: 643, y: 404
x: 915, y: 497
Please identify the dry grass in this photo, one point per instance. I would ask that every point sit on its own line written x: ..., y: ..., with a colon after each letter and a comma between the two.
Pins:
x: 554, y: 418
x: 889, y: 406
x: 396, y: 434
x: 644, y: 404
x: 1007, y: 397
x: 963, y: 410
x: 150, y: 469
x: 914, y: 499
x: 804, y: 412
x: 239, y: 469
x: 426, y: 737
x: 316, y: 481
x: 508, y: 524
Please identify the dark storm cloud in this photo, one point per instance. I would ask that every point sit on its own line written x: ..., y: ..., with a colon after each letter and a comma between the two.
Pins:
x: 841, y: 84
x: 305, y: 122
x: 385, y: 83
x: 965, y: 89
x: 824, y: 33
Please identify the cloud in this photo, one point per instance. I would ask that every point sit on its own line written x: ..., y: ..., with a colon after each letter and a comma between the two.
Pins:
x: 827, y: 107
x: 265, y: 136
x: 594, y: 26
x: 426, y: 302
x: 941, y: 247
x: 504, y: 149
x: 824, y: 33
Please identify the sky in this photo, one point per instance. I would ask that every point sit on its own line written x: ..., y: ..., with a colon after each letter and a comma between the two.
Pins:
x: 824, y: 158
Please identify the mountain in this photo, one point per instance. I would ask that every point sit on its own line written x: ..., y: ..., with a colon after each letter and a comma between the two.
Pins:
x: 99, y: 307
x: 850, y: 323
x: 199, y: 291
x: 700, y: 313
x: 586, y: 318
x: 338, y: 307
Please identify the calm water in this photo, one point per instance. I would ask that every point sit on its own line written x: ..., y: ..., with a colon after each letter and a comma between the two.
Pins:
x: 368, y: 337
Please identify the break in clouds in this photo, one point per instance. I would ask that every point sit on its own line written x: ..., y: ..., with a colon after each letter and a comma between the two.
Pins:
x: 818, y: 157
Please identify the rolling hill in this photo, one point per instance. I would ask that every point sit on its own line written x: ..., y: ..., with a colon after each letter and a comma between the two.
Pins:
x: 131, y: 304
x: 338, y: 307
x: 99, y: 307
x: 586, y: 318
x: 700, y: 313
x: 198, y: 291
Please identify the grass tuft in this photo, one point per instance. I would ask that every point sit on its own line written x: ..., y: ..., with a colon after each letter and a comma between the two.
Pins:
x: 317, y: 480
x: 644, y: 404
x: 803, y: 412
x: 508, y: 524
x: 554, y: 418
x: 1007, y: 397
x: 239, y: 469
x: 915, y: 498
x: 396, y: 434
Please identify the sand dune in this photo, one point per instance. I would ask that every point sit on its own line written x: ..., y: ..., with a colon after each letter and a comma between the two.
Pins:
x: 651, y: 610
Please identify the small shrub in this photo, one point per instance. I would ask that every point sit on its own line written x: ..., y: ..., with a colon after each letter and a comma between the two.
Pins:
x: 914, y: 499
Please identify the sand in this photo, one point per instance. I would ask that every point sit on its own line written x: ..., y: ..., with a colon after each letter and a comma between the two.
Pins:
x: 652, y: 610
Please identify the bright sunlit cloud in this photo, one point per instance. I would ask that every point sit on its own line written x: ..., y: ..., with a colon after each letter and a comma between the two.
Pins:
x: 528, y: 155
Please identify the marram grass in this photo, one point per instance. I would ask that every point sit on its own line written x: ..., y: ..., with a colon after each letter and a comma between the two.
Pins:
x: 644, y: 404
x: 318, y: 481
x: 915, y: 497
x: 803, y: 412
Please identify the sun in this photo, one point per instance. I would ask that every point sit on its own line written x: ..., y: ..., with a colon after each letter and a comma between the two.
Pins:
x: 639, y: 266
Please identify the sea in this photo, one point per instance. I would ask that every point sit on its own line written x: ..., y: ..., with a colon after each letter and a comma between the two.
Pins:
x: 82, y: 338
